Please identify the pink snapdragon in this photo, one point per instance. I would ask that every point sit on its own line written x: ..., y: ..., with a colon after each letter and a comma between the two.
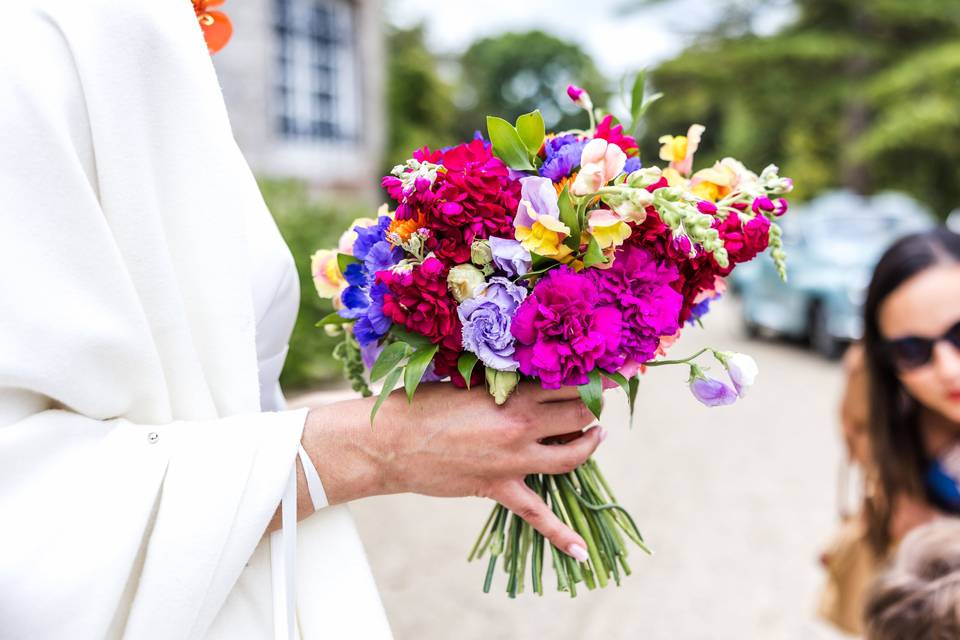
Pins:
x: 600, y: 162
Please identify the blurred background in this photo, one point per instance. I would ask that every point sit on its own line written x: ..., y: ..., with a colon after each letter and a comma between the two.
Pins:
x: 856, y: 101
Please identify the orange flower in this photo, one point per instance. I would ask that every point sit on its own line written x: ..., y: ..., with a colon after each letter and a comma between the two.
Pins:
x: 406, y: 228
x: 215, y: 24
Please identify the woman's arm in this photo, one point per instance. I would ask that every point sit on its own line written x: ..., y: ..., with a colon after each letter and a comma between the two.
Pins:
x: 450, y: 442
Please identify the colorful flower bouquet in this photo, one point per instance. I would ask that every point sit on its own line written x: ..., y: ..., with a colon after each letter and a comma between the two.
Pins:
x: 557, y: 258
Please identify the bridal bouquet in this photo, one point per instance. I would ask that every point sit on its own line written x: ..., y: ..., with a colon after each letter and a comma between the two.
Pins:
x: 557, y: 258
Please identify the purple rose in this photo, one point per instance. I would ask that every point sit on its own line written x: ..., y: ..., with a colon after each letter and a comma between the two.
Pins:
x: 486, y: 320
x: 510, y: 256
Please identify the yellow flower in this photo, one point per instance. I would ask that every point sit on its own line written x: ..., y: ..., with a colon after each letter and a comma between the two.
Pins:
x: 545, y: 237
x: 326, y: 273
x: 679, y: 150
x: 607, y: 228
x: 713, y: 183
x: 673, y: 149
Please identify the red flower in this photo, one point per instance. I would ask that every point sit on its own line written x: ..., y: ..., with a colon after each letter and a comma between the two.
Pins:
x: 615, y: 135
x: 472, y: 197
x: 743, y: 241
x: 419, y: 301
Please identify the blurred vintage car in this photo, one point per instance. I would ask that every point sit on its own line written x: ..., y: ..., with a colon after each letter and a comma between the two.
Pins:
x: 832, y: 245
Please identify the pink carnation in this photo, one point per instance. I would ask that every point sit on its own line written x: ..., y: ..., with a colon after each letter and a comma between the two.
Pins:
x: 642, y: 289
x: 564, y: 330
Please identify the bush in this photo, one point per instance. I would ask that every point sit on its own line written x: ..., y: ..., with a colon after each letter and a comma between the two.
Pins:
x: 309, y: 224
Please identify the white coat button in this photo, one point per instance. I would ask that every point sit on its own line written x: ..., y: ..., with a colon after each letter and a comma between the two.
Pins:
x: 152, y: 437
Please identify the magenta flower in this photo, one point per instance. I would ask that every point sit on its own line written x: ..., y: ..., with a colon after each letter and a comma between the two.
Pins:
x: 643, y: 290
x: 564, y: 330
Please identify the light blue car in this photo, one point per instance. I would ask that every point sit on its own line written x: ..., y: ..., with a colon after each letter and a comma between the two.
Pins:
x: 833, y: 243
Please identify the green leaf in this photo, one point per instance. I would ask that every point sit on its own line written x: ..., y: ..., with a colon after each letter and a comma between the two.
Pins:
x: 619, y: 379
x: 593, y: 255
x: 649, y: 101
x: 415, y: 340
x: 592, y: 394
x: 569, y: 217
x: 388, y: 385
x: 413, y: 372
x: 466, y: 363
x: 632, y: 395
x: 333, y: 318
x: 636, y: 99
x: 532, y: 131
x: 344, y: 260
x: 507, y: 144
x: 388, y: 360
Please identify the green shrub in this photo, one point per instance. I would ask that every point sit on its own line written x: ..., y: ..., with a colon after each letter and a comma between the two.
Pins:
x: 308, y: 224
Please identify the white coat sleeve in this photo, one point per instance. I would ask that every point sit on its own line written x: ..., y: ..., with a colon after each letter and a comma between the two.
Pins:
x: 110, y: 525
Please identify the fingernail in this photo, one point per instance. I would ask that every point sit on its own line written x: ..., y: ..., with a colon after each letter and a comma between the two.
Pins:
x: 578, y: 552
x: 603, y: 434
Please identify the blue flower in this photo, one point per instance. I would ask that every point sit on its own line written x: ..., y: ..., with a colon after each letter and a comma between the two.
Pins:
x: 562, y: 157
x: 363, y: 299
x: 369, y: 236
x: 633, y: 164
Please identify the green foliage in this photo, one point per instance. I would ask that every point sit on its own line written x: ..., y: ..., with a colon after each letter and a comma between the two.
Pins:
x: 420, y: 108
x: 308, y: 225
x: 852, y: 94
x: 515, y: 73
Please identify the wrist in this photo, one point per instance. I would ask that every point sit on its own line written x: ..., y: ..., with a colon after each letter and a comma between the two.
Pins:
x: 349, y: 454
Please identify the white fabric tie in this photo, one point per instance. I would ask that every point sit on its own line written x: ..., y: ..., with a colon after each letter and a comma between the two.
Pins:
x: 283, y: 548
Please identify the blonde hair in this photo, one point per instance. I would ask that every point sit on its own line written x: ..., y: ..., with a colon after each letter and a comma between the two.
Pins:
x: 919, y: 596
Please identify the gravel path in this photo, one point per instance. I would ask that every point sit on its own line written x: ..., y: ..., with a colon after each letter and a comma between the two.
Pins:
x: 736, y: 503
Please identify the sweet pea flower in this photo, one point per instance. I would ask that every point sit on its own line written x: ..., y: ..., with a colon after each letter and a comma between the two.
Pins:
x: 679, y: 150
x: 326, y: 274
x: 348, y: 237
x: 741, y: 368
x: 580, y: 97
x: 510, y: 256
x: 537, y: 223
x: 607, y: 228
x: 710, y: 391
x: 600, y: 162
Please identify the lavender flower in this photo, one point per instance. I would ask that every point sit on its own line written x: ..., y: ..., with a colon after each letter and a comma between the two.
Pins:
x: 510, y: 256
x: 486, y: 322
x: 709, y: 391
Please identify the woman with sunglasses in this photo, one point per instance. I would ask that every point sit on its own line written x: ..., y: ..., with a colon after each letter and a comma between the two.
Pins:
x: 912, y: 347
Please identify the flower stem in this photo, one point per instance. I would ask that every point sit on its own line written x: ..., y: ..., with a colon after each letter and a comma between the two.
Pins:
x: 660, y: 363
x: 582, y: 526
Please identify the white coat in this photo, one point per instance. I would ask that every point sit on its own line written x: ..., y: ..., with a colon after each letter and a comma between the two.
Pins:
x: 137, y: 470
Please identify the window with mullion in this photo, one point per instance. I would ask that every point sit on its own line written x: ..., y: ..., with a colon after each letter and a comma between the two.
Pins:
x: 315, y: 88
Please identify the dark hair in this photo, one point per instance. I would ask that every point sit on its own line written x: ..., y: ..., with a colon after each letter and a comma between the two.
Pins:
x: 898, y: 455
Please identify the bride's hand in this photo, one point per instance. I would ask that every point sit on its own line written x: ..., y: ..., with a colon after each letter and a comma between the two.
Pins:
x: 452, y: 442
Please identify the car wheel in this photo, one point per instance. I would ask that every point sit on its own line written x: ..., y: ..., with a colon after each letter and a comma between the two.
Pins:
x: 821, y: 340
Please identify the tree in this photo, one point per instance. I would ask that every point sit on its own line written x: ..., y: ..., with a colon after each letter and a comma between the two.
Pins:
x: 514, y: 73
x: 852, y: 94
x: 419, y: 102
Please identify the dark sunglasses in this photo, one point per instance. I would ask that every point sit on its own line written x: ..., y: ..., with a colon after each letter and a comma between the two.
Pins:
x: 913, y: 352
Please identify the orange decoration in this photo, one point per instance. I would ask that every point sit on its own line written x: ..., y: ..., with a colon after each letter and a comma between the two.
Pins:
x: 215, y: 24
